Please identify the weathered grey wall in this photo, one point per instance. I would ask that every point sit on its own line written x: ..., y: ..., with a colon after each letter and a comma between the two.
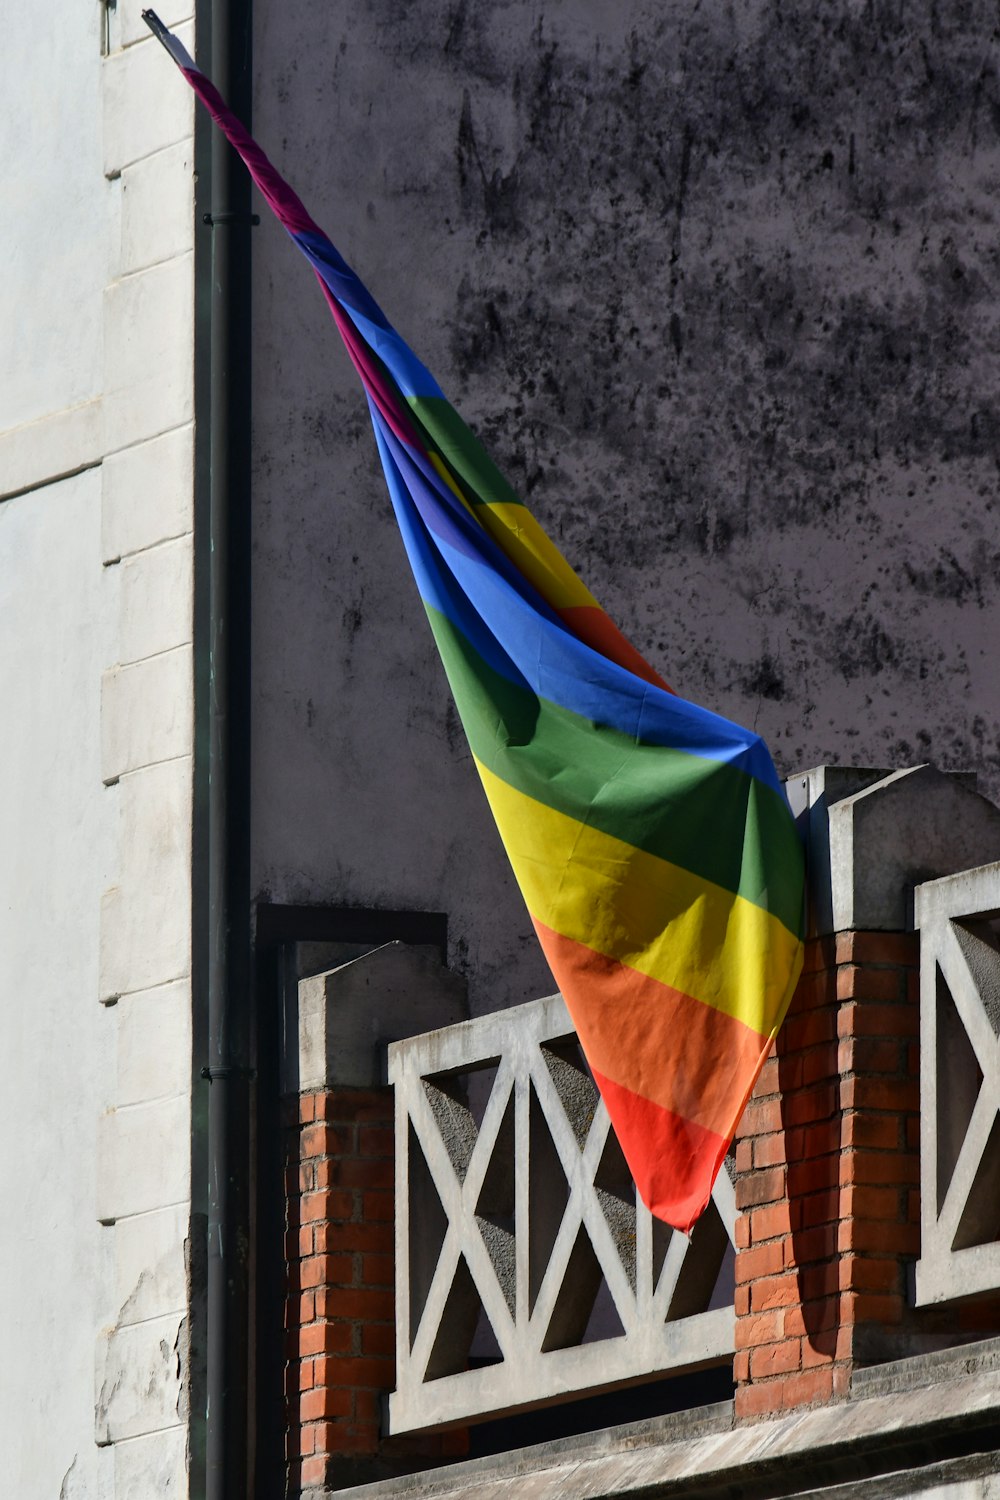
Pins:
x: 718, y: 286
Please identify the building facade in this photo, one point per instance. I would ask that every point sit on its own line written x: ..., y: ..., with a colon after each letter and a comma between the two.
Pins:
x: 97, y: 472
x: 717, y: 288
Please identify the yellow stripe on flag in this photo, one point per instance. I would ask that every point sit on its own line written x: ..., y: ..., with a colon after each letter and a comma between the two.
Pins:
x: 518, y: 534
x: 516, y: 531
x: 445, y: 473
x: 646, y: 913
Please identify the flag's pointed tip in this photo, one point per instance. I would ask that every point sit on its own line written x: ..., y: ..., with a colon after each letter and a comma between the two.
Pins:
x: 165, y: 36
x: 155, y: 25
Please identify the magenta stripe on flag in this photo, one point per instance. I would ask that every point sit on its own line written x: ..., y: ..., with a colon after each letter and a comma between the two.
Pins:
x: 371, y: 377
x: 283, y: 200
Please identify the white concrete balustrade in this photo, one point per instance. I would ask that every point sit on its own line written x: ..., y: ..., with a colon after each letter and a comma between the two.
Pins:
x: 526, y: 1268
x: 959, y: 922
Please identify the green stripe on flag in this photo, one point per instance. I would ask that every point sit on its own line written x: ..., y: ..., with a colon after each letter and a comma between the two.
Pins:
x: 462, y: 451
x: 669, y: 803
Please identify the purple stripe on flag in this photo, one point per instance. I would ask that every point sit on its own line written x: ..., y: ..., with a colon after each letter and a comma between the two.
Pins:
x: 374, y: 382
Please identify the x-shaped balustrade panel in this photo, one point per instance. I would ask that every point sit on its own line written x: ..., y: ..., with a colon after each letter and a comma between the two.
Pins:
x: 527, y: 1270
x: 959, y: 922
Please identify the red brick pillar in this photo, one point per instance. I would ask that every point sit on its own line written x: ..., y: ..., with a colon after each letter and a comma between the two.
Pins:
x: 340, y: 1273
x: 339, y: 1226
x: 828, y: 1171
x: 340, y: 1309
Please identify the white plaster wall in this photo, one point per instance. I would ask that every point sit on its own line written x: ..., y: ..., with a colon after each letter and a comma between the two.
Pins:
x: 57, y: 847
x: 54, y: 228
x: 96, y: 620
x: 57, y: 851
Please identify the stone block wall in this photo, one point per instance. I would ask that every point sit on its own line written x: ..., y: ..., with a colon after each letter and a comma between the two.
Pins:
x: 144, y: 1396
x: 97, y: 591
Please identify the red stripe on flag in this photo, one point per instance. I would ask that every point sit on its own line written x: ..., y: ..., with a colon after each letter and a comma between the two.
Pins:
x: 673, y: 1161
x: 590, y: 624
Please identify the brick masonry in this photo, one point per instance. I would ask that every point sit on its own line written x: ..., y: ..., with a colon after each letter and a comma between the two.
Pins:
x: 340, y: 1301
x: 828, y: 1176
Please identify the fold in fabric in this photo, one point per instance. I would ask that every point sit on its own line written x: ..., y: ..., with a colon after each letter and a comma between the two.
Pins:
x: 651, y: 839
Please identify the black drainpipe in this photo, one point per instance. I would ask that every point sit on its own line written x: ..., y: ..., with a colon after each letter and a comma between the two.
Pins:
x: 227, y: 1073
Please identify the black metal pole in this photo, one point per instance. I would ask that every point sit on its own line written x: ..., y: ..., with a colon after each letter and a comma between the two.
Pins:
x: 229, y: 985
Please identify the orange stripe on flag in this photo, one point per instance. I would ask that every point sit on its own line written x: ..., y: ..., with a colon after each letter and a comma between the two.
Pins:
x: 654, y: 1040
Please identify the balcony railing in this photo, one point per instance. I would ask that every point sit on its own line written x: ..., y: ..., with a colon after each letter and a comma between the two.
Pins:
x: 959, y: 922
x: 527, y: 1270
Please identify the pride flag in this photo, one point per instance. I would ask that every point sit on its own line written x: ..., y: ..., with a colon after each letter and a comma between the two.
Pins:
x: 651, y: 839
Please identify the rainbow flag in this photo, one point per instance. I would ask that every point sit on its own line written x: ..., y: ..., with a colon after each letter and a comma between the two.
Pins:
x: 651, y: 839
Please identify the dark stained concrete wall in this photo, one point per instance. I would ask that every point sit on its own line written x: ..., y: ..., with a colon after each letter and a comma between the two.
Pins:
x: 718, y: 285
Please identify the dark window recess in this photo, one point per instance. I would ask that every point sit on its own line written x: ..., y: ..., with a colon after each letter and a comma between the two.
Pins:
x: 290, y: 943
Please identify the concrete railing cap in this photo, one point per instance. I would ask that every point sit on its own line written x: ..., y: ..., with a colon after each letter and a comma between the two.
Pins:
x: 874, y: 834
x: 349, y: 1014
